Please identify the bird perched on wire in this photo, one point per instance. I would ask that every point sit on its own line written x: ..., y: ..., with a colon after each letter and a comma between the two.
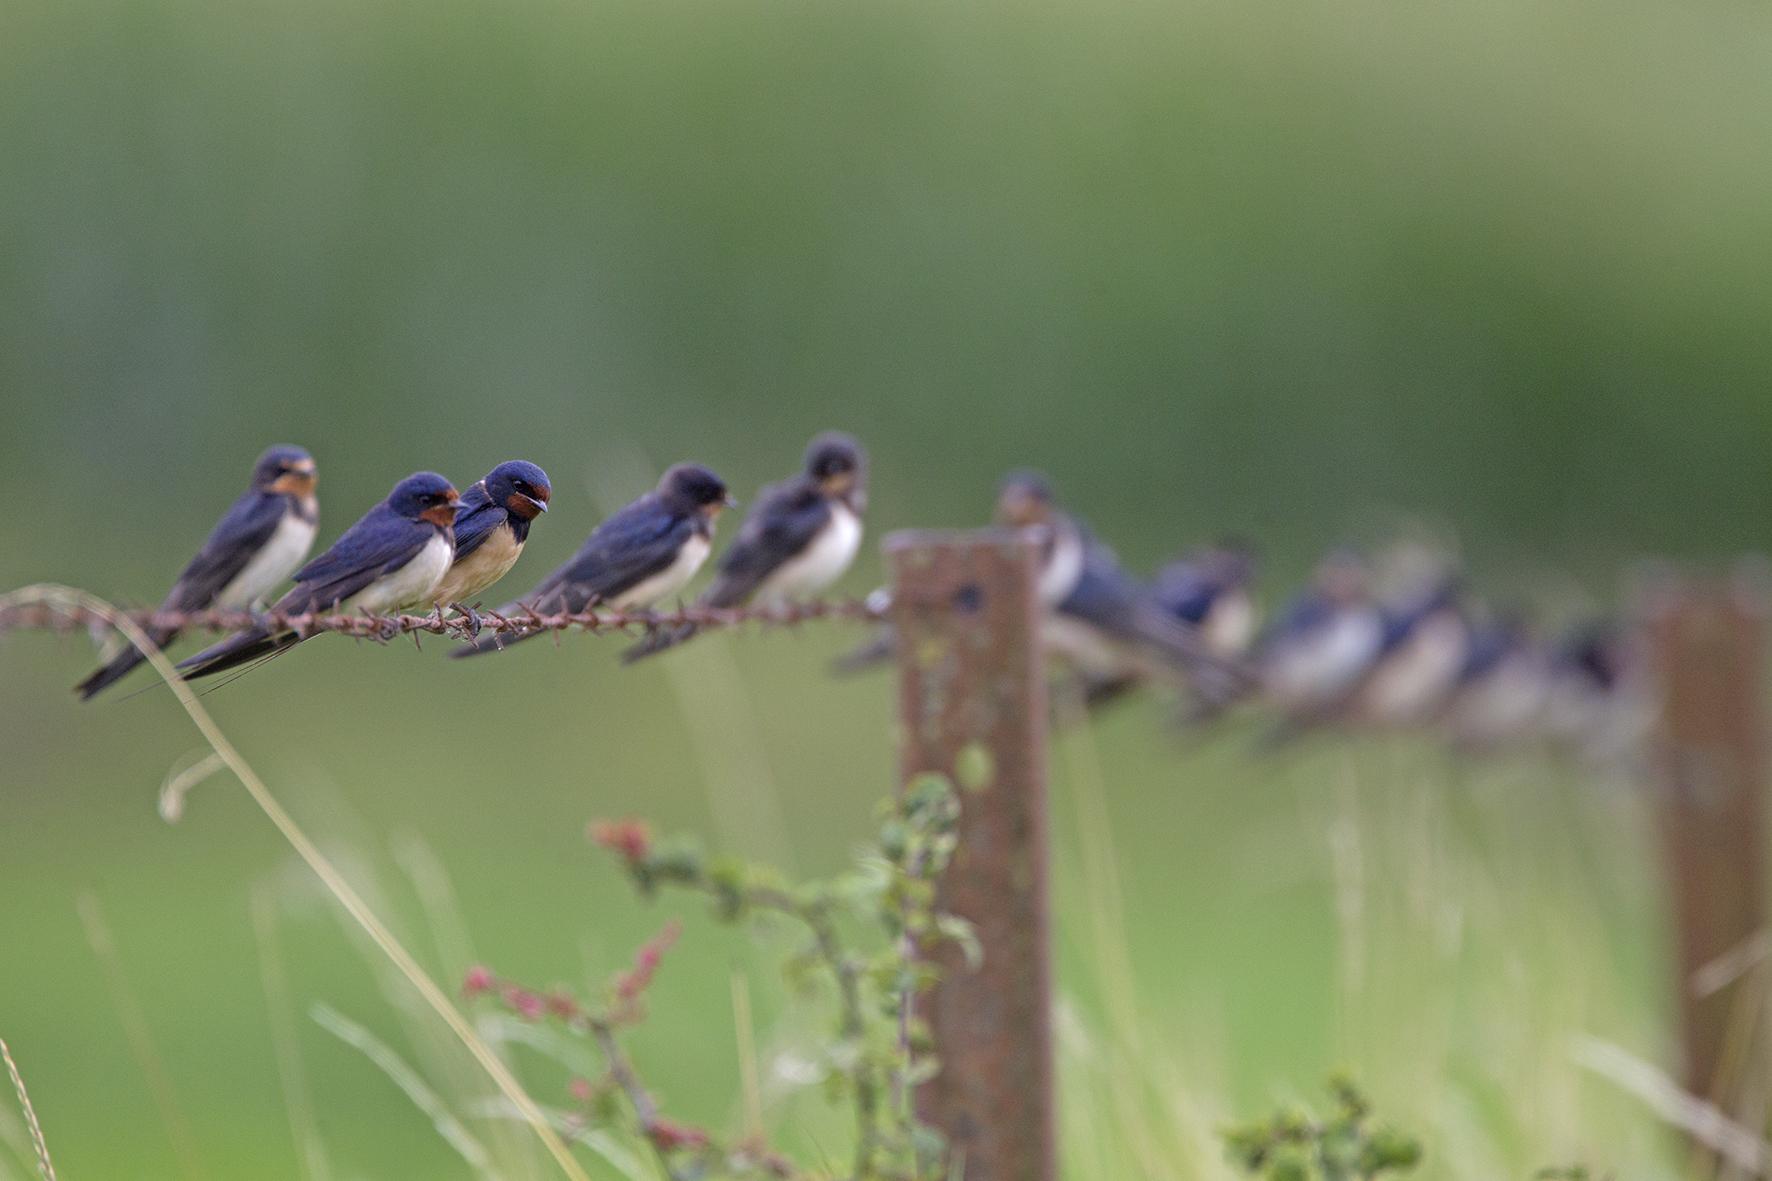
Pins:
x: 646, y: 552
x: 391, y: 559
x: 1598, y: 706
x: 1416, y: 668
x: 1315, y: 652
x: 256, y: 545
x: 1209, y: 590
x: 1502, y: 689
x: 798, y: 539
x: 491, y: 524
x: 1110, y: 628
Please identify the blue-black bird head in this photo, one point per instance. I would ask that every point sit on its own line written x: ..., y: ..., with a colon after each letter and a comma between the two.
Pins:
x: 520, y: 488
x: 1024, y: 498
x: 692, y: 488
x: 836, y: 462
x: 285, y: 469
x: 425, y: 496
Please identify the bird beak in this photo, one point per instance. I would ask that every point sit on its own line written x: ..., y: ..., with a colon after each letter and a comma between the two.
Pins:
x: 541, y: 506
x: 731, y: 501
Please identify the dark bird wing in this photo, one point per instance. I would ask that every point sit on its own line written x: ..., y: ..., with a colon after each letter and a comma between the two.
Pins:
x: 637, y: 543
x: 236, y: 539
x: 475, y: 520
x: 787, y: 519
x: 1107, y: 598
x: 379, y: 544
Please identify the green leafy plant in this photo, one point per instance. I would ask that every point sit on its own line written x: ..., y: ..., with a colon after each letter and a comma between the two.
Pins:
x: 1346, y: 1145
x: 865, y: 937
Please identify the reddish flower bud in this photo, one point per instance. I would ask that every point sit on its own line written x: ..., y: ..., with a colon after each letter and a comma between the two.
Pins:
x: 632, y: 839
x: 669, y: 1136
x: 632, y: 983
x: 478, y: 982
x: 524, y: 1003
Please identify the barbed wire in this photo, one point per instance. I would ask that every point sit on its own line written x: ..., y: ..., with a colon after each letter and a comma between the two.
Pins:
x: 70, y: 617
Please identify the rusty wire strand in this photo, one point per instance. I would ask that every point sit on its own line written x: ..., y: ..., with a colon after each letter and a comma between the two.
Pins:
x: 72, y: 617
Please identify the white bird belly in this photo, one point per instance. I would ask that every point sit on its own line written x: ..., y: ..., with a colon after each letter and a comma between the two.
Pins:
x: 820, y: 564
x: 281, y: 556
x: 668, y: 581
x: 410, y: 585
x: 1064, y: 566
x: 491, y: 560
x: 1414, y: 680
x: 1316, y: 668
x: 1230, y: 624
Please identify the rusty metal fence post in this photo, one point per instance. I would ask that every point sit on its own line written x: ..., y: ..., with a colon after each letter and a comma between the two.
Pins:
x: 973, y: 708
x: 1706, y: 650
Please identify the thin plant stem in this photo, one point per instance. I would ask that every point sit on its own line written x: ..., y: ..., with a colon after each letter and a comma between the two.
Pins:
x: 44, y: 1165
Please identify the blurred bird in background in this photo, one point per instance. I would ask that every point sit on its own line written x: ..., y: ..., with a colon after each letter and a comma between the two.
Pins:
x: 391, y: 559
x: 1111, y: 630
x: 1502, y: 688
x: 798, y: 539
x: 256, y: 545
x: 491, y: 524
x: 1315, y: 652
x: 645, y: 552
x: 1212, y: 591
x: 1422, y: 649
x: 1598, y: 707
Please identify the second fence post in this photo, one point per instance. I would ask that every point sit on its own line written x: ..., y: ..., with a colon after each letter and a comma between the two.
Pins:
x: 1706, y: 642
x: 972, y: 706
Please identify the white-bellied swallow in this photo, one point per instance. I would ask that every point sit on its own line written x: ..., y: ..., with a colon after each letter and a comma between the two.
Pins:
x: 1100, y: 620
x: 1503, y: 688
x: 390, y: 560
x: 491, y: 524
x: 1415, y: 671
x: 1210, y: 589
x: 1315, y: 652
x: 798, y: 539
x: 646, y: 552
x: 256, y: 545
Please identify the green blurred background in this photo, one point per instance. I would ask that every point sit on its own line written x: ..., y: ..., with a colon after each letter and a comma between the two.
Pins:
x: 1218, y: 267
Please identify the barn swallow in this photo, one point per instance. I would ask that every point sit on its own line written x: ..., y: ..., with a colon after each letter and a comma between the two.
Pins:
x: 1598, y: 706
x: 1325, y: 640
x: 645, y: 552
x: 491, y: 524
x: 257, y: 544
x: 1209, y: 590
x: 1099, y: 619
x: 799, y: 538
x: 1425, y: 641
x: 1503, y: 686
x: 391, y: 559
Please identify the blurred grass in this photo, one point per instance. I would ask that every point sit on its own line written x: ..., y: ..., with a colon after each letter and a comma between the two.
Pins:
x: 1219, y: 267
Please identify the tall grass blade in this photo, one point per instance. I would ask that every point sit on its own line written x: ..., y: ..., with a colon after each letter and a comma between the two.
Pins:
x: 44, y: 1165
